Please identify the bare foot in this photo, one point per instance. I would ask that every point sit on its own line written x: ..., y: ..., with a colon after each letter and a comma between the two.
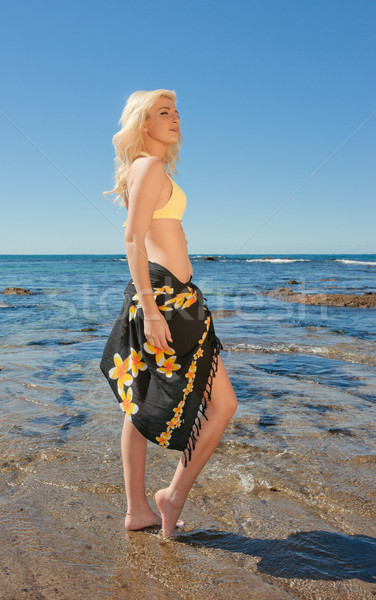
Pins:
x: 169, y: 511
x: 139, y: 520
x: 146, y: 518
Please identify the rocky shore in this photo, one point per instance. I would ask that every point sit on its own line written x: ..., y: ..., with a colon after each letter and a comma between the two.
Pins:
x: 366, y: 300
x: 17, y: 291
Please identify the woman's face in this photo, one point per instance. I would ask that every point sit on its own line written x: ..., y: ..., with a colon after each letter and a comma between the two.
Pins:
x: 164, y: 122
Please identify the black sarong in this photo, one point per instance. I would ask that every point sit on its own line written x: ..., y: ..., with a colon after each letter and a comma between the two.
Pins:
x: 164, y: 393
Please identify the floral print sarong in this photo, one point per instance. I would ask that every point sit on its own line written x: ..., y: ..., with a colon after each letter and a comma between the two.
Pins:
x: 164, y: 392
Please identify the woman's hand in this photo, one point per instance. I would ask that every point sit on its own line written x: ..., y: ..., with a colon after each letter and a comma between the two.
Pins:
x: 156, y: 330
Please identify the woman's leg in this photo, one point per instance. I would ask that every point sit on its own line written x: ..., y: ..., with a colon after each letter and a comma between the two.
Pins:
x: 219, y: 411
x: 133, y: 449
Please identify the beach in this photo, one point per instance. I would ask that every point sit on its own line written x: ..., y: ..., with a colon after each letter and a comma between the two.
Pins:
x: 285, y: 508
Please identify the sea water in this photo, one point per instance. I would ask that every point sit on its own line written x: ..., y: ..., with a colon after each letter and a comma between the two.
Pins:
x: 286, y: 504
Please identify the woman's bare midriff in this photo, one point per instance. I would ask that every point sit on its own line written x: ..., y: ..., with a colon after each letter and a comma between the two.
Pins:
x: 166, y: 245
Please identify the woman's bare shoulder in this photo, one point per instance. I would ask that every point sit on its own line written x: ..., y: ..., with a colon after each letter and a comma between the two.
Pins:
x: 145, y: 167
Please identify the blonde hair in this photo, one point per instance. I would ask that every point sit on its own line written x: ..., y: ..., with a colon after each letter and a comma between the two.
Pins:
x: 128, y: 141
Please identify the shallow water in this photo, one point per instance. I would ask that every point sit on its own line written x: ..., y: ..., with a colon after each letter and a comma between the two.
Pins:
x: 285, y: 507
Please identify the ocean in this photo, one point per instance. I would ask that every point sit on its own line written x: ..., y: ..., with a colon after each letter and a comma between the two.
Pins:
x: 284, y: 508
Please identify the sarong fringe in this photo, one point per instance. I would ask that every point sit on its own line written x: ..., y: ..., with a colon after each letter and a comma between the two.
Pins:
x: 216, y: 346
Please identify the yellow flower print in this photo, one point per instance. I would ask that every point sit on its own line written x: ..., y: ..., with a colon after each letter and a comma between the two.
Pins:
x: 129, y: 407
x: 136, y: 362
x: 189, y: 387
x: 190, y: 300
x: 175, y: 421
x: 119, y: 371
x: 203, y: 337
x: 164, y: 306
x: 159, y: 353
x: 166, y: 289
x: 163, y: 438
x: 190, y: 374
x: 169, y: 366
x: 182, y: 300
x: 132, y: 312
x: 185, y: 299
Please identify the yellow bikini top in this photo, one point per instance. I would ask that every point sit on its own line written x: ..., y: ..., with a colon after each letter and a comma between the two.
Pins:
x: 175, y: 206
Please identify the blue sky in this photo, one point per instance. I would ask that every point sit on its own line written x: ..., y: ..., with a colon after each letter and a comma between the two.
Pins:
x: 268, y: 91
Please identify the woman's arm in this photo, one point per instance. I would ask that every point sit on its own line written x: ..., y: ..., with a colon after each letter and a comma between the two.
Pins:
x: 144, y: 191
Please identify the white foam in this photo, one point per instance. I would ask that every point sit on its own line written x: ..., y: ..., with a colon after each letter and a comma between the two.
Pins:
x: 281, y: 347
x: 247, y: 481
x: 347, y: 261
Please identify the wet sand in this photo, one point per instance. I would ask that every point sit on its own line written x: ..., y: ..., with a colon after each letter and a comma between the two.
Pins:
x: 261, y: 521
x: 66, y: 542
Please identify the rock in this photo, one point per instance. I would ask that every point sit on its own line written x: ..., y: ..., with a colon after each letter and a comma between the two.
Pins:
x: 209, y: 258
x: 367, y: 300
x: 223, y: 313
x: 340, y: 430
x: 17, y: 290
x: 292, y: 282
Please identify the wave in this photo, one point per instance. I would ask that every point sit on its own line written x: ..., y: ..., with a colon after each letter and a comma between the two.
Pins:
x: 339, y: 352
x: 347, y: 261
x: 276, y: 348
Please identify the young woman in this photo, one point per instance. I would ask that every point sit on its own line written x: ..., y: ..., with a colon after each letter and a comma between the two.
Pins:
x: 162, y: 357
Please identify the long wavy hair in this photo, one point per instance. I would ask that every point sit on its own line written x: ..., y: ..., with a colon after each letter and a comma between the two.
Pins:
x: 128, y: 141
